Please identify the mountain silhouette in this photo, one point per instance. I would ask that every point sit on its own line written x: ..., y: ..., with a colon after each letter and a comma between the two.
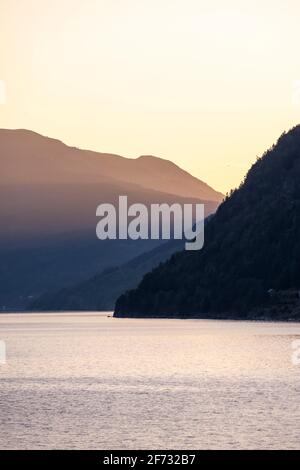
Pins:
x: 250, y: 264
x: 101, y: 291
x: 48, y: 197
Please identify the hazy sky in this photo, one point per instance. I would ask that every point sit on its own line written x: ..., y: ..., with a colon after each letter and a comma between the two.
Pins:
x: 207, y: 84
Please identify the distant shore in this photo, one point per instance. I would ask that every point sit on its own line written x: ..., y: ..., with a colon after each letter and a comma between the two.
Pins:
x: 229, y: 317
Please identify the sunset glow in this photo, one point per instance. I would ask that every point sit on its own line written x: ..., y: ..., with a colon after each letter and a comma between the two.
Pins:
x: 208, y: 85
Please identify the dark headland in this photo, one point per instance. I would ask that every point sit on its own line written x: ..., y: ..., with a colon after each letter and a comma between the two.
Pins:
x: 249, y: 267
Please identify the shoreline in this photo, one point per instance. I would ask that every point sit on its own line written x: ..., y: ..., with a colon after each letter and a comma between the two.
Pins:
x: 110, y: 314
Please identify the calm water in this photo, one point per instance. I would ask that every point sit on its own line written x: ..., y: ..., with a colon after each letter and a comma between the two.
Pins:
x: 87, y: 381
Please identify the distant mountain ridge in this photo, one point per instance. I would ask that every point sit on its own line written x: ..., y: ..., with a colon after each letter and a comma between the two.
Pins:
x: 27, y: 158
x: 49, y: 188
x: 100, y: 292
x: 49, y: 193
x: 251, y: 255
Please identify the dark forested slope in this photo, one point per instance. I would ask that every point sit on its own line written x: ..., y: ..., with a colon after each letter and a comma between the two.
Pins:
x: 252, y: 245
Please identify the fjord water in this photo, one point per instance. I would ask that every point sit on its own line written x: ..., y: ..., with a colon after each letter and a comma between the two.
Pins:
x: 89, y: 381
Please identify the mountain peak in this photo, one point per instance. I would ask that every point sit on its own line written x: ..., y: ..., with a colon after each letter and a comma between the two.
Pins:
x: 28, y: 157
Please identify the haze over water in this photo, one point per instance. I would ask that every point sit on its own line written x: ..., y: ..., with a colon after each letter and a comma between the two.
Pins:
x: 87, y: 381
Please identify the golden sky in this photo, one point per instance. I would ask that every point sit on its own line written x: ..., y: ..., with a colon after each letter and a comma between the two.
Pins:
x: 207, y: 84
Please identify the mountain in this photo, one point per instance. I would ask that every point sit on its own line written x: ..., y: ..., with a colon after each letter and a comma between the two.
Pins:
x: 250, y: 264
x: 50, y: 188
x: 30, y: 158
x: 100, y: 292
x: 48, y: 198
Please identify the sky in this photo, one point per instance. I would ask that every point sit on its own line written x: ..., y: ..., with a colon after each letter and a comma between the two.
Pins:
x: 209, y: 85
